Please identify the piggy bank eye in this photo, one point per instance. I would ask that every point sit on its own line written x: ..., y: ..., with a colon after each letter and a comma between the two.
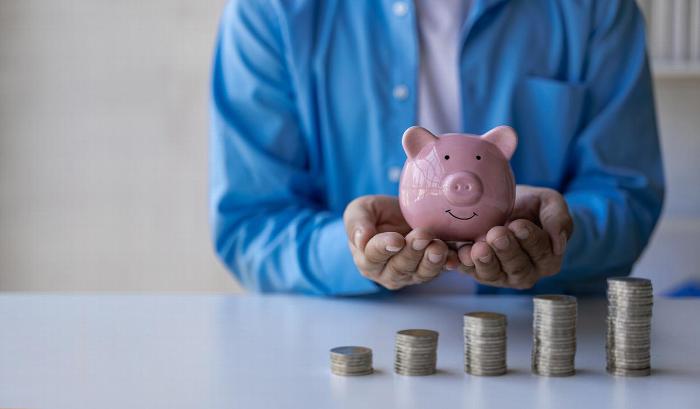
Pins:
x: 447, y: 157
x: 478, y: 157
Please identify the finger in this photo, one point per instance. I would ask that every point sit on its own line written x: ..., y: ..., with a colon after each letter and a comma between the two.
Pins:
x: 537, y: 244
x: 394, y: 281
x: 514, y: 261
x: 556, y: 220
x: 486, y: 263
x: 452, y: 262
x: 366, y: 269
x: 379, y: 250
x: 524, y: 282
x: 433, y: 261
x: 464, y: 260
x: 465, y: 256
x: 360, y: 220
x: 358, y: 256
x: 456, y: 265
x: 406, y: 261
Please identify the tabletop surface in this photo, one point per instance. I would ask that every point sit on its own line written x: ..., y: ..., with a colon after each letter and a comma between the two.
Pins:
x: 216, y: 351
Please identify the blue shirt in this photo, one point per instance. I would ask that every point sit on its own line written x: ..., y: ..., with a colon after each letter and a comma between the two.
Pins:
x: 310, y: 98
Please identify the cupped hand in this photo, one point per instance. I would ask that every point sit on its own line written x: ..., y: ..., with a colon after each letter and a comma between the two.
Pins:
x: 384, y: 247
x: 529, y: 247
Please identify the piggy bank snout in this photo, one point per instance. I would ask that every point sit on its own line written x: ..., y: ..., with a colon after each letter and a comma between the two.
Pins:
x: 462, y: 188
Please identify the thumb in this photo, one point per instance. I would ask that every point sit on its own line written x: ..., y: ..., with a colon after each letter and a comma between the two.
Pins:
x: 556, y: 220
x: 360, y: 221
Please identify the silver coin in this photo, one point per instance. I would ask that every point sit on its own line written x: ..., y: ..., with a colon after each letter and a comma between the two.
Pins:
x: 343, y: 369
x: 478, y: 372
x: 554, y: 335
x: 350, y: 358
x: 400, y: 342
x: 418, y: 334
x: 561, y: 374
x: 415, y: 361
x: 484, y: 318
x: 629, y: 281
x: 351, y: 351
x: 485, y: 364
x: 339, y: 371
x: 415, y: 352
x: 486, y: 332
x: 628, y: 338
x: 491, y: 370
x: 351, y: 361
x: 629, y: 372
x: 414, y: 372
x: 483, y: 357
x: 352, y: 364
x: 485, y: 343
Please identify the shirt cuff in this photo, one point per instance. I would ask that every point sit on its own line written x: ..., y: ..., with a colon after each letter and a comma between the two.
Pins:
x: 336, y: 267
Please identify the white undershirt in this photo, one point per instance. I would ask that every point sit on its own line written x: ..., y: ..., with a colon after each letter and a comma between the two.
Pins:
x: 439, y: 99
x: 439, y: 26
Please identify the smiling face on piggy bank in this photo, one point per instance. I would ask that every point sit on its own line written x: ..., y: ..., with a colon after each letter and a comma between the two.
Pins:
x: 457, y: 186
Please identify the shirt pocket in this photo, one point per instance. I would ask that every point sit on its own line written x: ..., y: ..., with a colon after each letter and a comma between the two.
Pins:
x: 547, y: 115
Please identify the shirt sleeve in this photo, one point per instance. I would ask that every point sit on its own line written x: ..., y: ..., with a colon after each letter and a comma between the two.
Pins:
x: 269, y: 225
x: 616, y: 186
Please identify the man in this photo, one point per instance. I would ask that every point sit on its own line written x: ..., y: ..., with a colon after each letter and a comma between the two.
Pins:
x: 310, y: 99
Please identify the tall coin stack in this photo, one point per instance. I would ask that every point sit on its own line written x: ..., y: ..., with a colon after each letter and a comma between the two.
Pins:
x: 630, y: 302
x: 416, y: 352
x: 554, y: 335
x: 485, y: 343
x: 351, y: 361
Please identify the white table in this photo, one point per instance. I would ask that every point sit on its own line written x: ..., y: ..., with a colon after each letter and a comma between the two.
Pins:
x: 158, y: 351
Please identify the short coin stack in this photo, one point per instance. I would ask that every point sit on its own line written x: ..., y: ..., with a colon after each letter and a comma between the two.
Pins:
x: 554, y: 335
x: 630, y: 302
x: 351, y: 361
x: 416, y: 352
x: 485, y: 343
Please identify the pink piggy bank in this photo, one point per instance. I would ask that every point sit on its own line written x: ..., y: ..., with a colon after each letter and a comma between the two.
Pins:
x: 457, y: 186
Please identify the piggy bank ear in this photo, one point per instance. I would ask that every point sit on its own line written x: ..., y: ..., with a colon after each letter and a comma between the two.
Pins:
x: 504, y: 138
x: 414, y: 139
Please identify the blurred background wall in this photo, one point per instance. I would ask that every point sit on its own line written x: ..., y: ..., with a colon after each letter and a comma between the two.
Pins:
x: 103, y: 150
x: 103, y: 145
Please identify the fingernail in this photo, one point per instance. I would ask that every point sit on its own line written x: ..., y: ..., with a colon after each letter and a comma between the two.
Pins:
x: 358, y: 236
x: 393, y: 249
x: 502, y: 243
x: 469, y: 263
x: 486, y: 259
x: 420, y: 244
x: 435, y: 257
x: 522, y: 233
x: 562, y: 244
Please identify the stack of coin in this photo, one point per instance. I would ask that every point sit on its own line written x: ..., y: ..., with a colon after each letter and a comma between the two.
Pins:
x: 351, y: 361
x: 485, y: 343
x: 554, y: 335
x: 630, y: 302
x: 416, y: 352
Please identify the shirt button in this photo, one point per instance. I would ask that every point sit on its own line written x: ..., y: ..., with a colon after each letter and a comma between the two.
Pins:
x: 394, y: 174
x: 400, y: 92
x: 400, y: 8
